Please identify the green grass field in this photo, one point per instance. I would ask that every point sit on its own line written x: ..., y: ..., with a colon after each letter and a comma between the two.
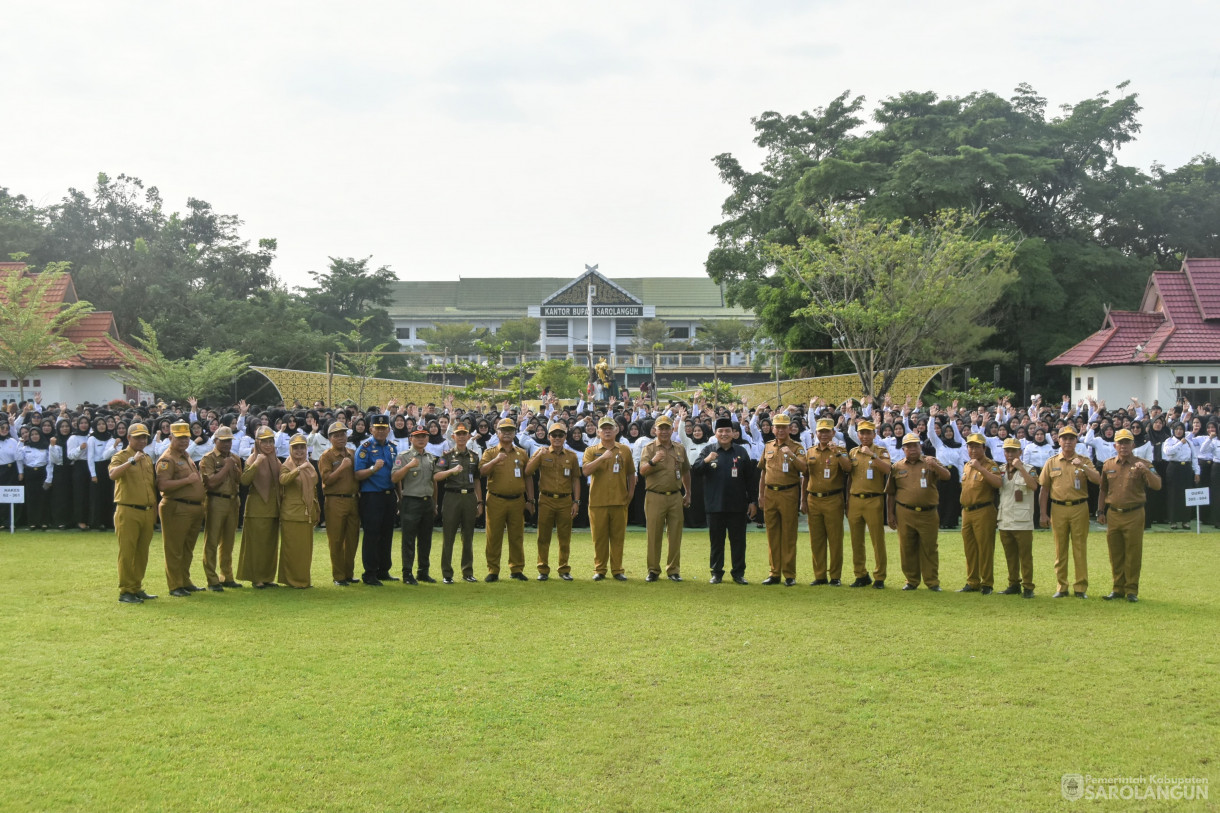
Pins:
x: 601, y: 696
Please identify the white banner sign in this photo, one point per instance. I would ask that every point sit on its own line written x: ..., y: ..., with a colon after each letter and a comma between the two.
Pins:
x: 1197, y: 496
x: 12, y: 494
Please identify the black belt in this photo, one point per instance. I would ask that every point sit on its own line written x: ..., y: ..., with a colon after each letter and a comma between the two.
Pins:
x: 781, y: 488
x: 461, y: 491
x: 218, y: 494
x: 825, y: 493
x: 6, y: 465
x: 868, y: 495
x: 413, y: 497
x: 918, y: 507
x: 977, y: 505
x: 1069, y: 502
x: 1181, y: 462
x: 569, y: 494
x: 188, y: 502
x: 345, y: 496
x: 663, y: 493
x: 137, y: 507
x: 34, y: 468
x: 1124, y: 510
x: 387, y: 491
x: 505, y: 496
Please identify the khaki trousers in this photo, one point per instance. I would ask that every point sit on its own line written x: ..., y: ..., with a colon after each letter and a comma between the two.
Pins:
x: 663, y: 514
x: 867, y: 513
x: 781, y: 513
x: 1019, y: 551
x: 134, y: 529
x: 1125, y: 538
x: 343, y: 536
x: 918, y: 545
x: 978, y: 538
x: 1070, y: 524
x: 504, y: 515
x: 826, y: 534
x: 219, y: 534
x: 608, y: 525
x: 180, y: 526
x: 554, y: 514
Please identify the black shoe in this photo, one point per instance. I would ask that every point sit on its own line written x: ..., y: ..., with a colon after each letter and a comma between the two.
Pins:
x: 340, y: 583
x: 271, y: 584
x: 469, y: 579
x: 740, y: 580
x: 543, y: 577
x: 652, y: 577
x: 1013, y: 590
x: 789, y: 582
x: 836, y: 582
x: 772, y: 580
x: 567, y: 577
x: 1133, y: 598
x: 519, y: 576
x: 968, y: 589
x: 447, y: 580
x: 715, y: 580
x: 190, y: 588
x: 426, y: 578
x: 216, y: 588
x: 1027, y: 594
x: 620, y: 577
x: 232, y: 583
x: 130, y: 598
x: 388, y: 578
x: 879, y: 584
x: 178, y: 592
x: 407, y: 578
x: 1111, y: 596
x: 816, y: 582
x: 492, y: 577
x: 1062, y: 594
x: 863, y: 581
x: 909, y: 586
x: 936, y: 589
x: 1079, y: 594
x: 145, y: 596
x: 597, y: 577
x: 372, y: 582
x: 674, y: 577
x: 987, y: 591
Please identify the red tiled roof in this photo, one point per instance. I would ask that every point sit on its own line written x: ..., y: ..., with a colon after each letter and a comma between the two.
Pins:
x: 1186, y: 329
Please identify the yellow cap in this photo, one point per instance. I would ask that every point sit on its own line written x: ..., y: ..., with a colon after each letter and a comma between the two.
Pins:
x: 137, y: 429
x: 506, y: 424
x: 337, y: 426
x: 606, y: 422
x: 1012, y: 443
x: 1121, y: 434
x: 781, y: 419
x: 264, y: 433
x: 461, y: 429
x: 975, y: 437
x: 297, y: 440
x: 664, y: 420
x: 910, y: 437
x: 865, y: 426
x: 825, y: 423
x: 223, y: 433
x: 557, y: 427
x: 181, y: 429
x: 1067, y: 430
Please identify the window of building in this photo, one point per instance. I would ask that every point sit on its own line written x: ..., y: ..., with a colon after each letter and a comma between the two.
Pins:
x: 1190, y: 379
x: 625, y: 328
x: 1177, y: 379
x: 1077, y: 383
x: 403, y: 333
x: 1090, y: 382
x: 679, y: 332
x: 1214, y: 381
x: 556, y: 328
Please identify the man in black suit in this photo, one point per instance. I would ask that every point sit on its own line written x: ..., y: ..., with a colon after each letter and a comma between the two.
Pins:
x: 729, y: 483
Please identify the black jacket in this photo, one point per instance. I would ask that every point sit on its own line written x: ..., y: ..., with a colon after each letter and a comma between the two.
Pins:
x: 722, y: 491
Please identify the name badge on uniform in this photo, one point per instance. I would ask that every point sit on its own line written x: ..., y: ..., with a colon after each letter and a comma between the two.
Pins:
x: 517, y: 470
x: 470, y: 477
x: 826, y: 473
x: 923, y: 480
x: 1076, y: 482
x: 785, y: 465
x: 677, y: 474
x: 616, y: 465
x: 734, y: 474
x: 1018, y: 495
x: 567, y: 472
x: 868, y: 475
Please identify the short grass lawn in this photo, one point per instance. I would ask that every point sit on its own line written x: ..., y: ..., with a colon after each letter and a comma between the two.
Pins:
x: 601, y: 696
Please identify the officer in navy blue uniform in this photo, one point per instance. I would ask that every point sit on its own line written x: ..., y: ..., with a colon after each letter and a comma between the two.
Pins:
x: 378, y: 501
x: 729, y: 484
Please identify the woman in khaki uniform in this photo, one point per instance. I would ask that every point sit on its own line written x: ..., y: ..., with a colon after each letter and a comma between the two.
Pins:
x: 298, y: 514
x: 260, y: 532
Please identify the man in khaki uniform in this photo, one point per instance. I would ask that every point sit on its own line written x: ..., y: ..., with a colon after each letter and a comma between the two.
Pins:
x: 783, y: 462
x: 825, y: 477
x: 462, y: 505
x: 341, y: 492
x: 912, y: 508
x: 611, y: 472
x: 1065, y: 483
x: 1124, y: 483
x: 504, y: 467
x: 666, y: 471
x: 135, y: 512
x: 221, y: 472
x: 980, y: 483
x: 866, y: 505
x: 182, y: 497
x: 1016, y: 521
x: 558, y: 499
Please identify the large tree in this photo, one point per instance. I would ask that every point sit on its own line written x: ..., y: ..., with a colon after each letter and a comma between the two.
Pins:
x: 34, y: 323
x: 351, y: 289
x: 1094, y: 227
x: 206, y: 373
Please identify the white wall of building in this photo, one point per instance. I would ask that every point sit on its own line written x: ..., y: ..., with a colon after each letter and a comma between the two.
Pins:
x: 73, y: 386
x: 1147, y: 382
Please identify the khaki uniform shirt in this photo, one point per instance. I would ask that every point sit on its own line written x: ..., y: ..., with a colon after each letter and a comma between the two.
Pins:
x: 606, y: 485
x: 865, y: 477
x: 1015, y: 515
x: 833, y: 459
x: 508, y: 478
x: 975, y: 489
x: 211, y: 463
x: 469, y: 461
x: 346, y: 483
x: 137, y: 485
x: 665, y: 476
x: 173, y: 466
x: 914, y: 484
x: 555, y: 471
x: 1066, y: 481
x: 773, y: 461
x: 418, y: 481
x: 1125, y: 487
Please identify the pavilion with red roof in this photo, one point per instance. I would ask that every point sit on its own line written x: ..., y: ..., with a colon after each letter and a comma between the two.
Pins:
x: 1169, y: 348
x: 86, y: 376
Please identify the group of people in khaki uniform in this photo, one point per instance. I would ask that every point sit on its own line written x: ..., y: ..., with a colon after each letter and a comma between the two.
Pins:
x: 825, y: 481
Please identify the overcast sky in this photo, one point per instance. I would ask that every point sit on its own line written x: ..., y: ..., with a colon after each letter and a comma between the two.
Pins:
x: 528, y: 138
